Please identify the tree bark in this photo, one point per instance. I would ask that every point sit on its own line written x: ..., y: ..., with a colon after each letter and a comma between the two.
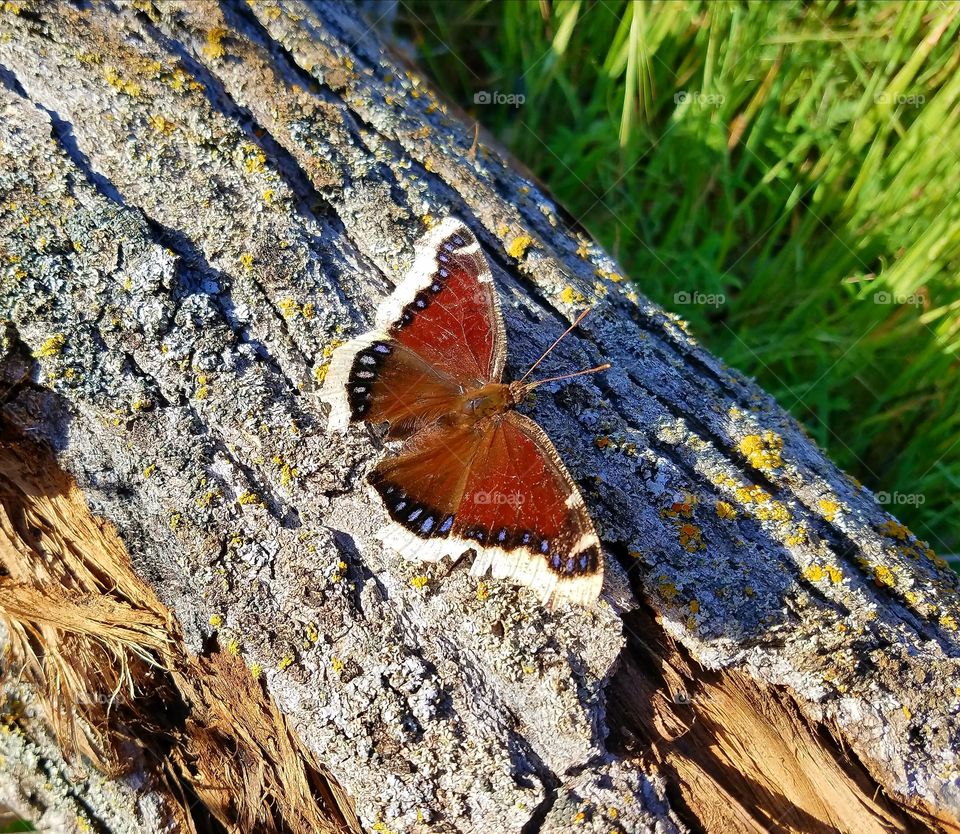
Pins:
x: 199, y: 202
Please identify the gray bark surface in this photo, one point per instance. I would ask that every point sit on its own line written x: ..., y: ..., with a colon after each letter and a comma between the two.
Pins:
x: 198, y: 202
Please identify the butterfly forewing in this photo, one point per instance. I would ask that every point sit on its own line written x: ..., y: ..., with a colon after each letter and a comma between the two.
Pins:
x: 447, y: 309
x: 439, y: 333
x: 388, y: 382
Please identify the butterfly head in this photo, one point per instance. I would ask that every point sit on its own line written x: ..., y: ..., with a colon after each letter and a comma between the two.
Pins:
x: 491, y: 399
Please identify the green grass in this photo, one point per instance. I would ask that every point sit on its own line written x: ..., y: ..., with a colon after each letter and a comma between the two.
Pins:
x: 799, y: 159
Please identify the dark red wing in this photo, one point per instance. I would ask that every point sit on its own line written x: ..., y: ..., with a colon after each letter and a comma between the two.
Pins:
x: 520, y: 495
x: 446, y: 310
x: 439, y: 333
x: 500, y: 488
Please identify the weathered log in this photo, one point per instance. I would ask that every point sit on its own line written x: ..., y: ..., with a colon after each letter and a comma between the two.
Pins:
x: 198, y: 203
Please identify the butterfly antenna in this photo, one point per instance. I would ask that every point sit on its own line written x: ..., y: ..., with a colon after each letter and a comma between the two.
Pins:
x: 531, y: 385
x: 546, y: 353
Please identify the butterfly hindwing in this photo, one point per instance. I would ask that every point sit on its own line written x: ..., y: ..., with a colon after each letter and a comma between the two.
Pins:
x: 500, y: 489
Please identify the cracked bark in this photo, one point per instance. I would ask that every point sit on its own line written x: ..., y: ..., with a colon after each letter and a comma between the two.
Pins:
x: 198, y: 202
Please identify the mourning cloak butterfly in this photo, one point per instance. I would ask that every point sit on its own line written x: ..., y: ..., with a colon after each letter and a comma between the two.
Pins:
x: 471, y: 473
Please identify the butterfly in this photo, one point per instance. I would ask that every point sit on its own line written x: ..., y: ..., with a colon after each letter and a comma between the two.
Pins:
x: 471, y: 471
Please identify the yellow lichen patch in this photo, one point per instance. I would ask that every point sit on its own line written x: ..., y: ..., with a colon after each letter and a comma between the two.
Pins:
x: 308, y: 311
x: 246, y: 261
x: 814, y: 573
x: 894, y: 528
x: 607, y: 275
x: 691, y: 537
x: 420, y: 582
x: 115, y: 80
x: 828, y: 509
x: 667, y: 589
x: 320, y: 373
x: 254, y: 161
x: 722, y: 479
x: 571, y: 296
x: 311, y: 633
x: 337, y: 664
x: 51, y: 347
x: 774, y: 511
x: 694, y: 607
x: 233, y: 647
x: 268, y: 195
x: 161, y: 124
x: 835, y: 574
x: 180, y: 80
x: 797, y: 537
x: 518, y: 246
x: 246, y: 498
x: 287, y: 473
x: 752, y: 494
x: 209, y: 497
x: 175, y: 521
x: 882, y: 575
x: 726, y: 511
x: 216, y: 620
x: 214, y: 46
x: 483, y: 591
x: 762, y: 451
x: 948, y: 621
x: 285, y: 662
x: 149, y: 470
x: 256, y: 671
x: 288, y: 307
x: 583, y: 252
x: 906, y: 712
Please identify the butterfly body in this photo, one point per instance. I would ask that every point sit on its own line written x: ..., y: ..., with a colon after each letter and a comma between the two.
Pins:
x: 472, y: 473
x: 490, y: 400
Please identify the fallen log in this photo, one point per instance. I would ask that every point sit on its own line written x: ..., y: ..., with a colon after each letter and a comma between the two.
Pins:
x: 199, y: 203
